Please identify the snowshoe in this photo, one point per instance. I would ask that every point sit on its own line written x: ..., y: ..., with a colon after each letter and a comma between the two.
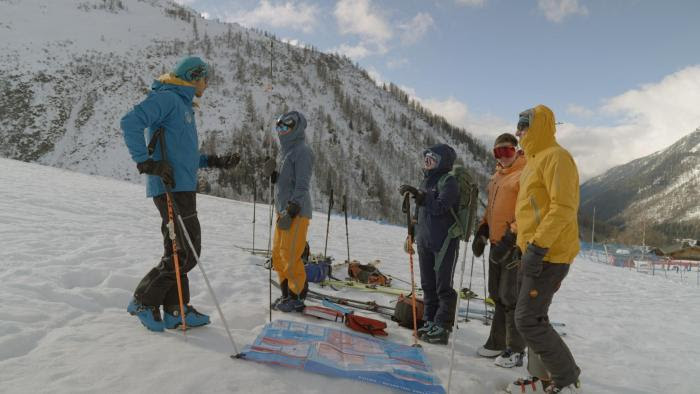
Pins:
x: 531, y: 384
x: 437, y: 335
x: 488, y: 353
x: 148, y: 315
x: 291, y: 304
x: 193, y: 318
x: 510, y: 359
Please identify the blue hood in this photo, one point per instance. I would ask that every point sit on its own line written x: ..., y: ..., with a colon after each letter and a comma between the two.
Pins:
x: 447, y: 159
x: 297, y: 135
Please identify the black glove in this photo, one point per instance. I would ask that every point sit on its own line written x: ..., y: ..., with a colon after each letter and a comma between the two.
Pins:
x: 417, y: 194
x: 503, y: 247
x: 226, y: 161
x: 269, y: 167
x: 480, y: 238
x: 532, y: 260
x: 159, y: 168
x: 293, y: 209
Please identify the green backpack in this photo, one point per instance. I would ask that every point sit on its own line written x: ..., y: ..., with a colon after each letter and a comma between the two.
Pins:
x: 466, y: 211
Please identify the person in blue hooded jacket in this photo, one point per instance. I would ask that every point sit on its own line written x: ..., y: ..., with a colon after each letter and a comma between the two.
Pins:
x: 436, y: 198
x: 293, y: 206
x: 169, y: 107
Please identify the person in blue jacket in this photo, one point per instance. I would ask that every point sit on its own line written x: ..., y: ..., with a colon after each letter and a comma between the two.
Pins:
x: 436, y: 198
x: 169, y: 107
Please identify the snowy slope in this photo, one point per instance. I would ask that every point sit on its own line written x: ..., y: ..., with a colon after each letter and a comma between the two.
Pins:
x: 75, y: 67
x: 74, y: 247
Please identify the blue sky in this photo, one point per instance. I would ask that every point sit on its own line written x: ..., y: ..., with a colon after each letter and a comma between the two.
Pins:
x: 622, y: 75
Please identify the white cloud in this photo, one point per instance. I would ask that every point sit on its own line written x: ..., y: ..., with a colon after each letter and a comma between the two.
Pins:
x: 358, y: 17
x: 395, y: 63
x: 558, y: 10
x: 355, y: 52
x: 293, y: 41
x: 649, y: 119
x: 471, y: 3
x: 580, y: 111
x: 485, y: 127
x: 291, y: 15
x: 416, y: 28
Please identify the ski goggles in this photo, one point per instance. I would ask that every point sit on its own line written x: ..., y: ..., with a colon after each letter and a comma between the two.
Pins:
x: 524, y: 119
x: 504, y: 152
x: 431, y: 159
x: 285, y: 125
x: 199, y: 72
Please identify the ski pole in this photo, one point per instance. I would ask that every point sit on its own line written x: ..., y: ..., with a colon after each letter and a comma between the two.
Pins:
x: 471, y: 275
x: 461, y: 282
x: 347, y: 234
x: 174, y: 211
x: 206, y: 280
x: 483, y: 268
x: 269, y: 243
x: 407, y: 209
x: 171, y: 233
x: 255, y: 195
x: 328, y: 223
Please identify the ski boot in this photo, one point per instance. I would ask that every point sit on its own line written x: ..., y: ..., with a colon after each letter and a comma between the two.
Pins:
x: 427, y: 326
x: 193, y: 318
x: 284, y: 287
x: 147, y: 314
x: 291, y: 304
x: 510, y: 359
x: 437, y: 335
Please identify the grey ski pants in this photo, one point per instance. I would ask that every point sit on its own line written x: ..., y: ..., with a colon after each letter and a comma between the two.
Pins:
x: 532, y: 321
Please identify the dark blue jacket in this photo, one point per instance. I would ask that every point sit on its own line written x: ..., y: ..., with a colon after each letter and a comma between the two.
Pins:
x: 168, y: 105
x: 434, y: 216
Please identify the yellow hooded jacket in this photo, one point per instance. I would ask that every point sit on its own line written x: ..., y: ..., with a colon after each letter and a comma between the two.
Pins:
x: 547, y: 205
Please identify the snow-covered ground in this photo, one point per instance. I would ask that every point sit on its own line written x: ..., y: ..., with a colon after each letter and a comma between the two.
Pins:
x: 74, y: 246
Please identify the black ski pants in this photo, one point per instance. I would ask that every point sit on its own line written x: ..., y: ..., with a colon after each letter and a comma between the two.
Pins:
x: 439, y: 296
x: 159, y: 286
x: 503, y: 290
x: 532, y: 320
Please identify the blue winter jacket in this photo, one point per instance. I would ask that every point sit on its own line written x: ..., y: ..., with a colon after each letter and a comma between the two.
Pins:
x: 294, y: 179
x: 168, y: 105
x: 434, y: 216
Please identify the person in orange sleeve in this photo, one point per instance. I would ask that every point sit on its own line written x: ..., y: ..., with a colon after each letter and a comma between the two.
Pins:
x: 498, y: 227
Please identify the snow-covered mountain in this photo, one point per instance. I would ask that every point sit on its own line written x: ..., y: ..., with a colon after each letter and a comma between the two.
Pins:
x: 660, y: 190
x: 72, y: 68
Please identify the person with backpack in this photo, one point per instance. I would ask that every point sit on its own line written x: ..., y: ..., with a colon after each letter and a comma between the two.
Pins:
x: 436, y: 201
x: 498, y: 226
x: 169, y: 107
x: 293, y: 205
x: 546, y: 213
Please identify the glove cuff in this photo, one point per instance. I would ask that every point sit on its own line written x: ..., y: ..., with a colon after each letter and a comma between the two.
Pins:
x: 532, y: 248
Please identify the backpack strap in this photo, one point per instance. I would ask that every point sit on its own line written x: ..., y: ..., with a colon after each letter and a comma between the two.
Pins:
x: 453, y: 231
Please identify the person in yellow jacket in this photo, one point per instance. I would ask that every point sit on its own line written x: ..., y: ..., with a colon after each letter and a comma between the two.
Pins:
x: 498, y: 227
x: 546, y: 213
